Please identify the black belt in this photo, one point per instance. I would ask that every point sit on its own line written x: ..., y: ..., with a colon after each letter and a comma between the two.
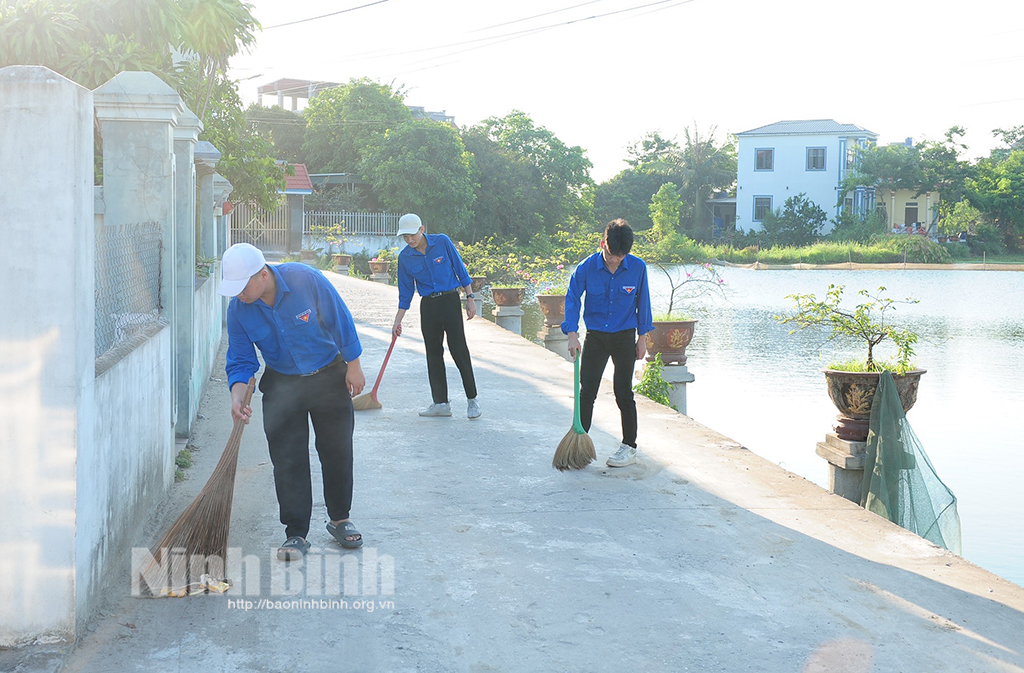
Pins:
x: 441, y: 294
x: 326, y: 366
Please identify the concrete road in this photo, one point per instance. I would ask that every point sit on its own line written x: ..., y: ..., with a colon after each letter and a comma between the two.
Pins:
x: 704, y: 557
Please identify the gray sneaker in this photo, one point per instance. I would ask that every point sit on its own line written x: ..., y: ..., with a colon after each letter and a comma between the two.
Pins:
x: 473, y: 409
x: 441, y: 409
x: 626, y: 455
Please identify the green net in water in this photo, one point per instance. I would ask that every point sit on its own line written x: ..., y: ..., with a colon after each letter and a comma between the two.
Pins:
x: 900, y: 483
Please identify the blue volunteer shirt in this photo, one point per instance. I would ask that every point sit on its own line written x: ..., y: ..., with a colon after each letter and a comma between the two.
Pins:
x: 615, y: 302
x: 304, y: 330
x: 438, y: 269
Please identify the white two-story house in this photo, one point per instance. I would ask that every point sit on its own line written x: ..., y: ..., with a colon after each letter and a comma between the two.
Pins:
x: 786, y: 158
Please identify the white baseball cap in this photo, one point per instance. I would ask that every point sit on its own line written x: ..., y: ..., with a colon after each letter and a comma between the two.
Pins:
x: 409, y: 223
x: 241, y: 262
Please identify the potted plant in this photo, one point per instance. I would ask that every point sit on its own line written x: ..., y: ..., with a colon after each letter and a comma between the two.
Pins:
x: 852, y: 385
x: 671, y: 335
x: 550, y: 293
x: 507, y: 295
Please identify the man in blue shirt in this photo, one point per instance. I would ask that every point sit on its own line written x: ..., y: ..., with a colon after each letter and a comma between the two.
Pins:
x: 617, y: 313
x: 309, y: 343
x: 431, y: 265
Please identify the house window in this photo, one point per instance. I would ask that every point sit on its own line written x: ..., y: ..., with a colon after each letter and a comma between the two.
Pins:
x: 764, y: 160
x: 762, y: 206
x: 815, y: 158
x: 851, y: 158
x: 848, y: 204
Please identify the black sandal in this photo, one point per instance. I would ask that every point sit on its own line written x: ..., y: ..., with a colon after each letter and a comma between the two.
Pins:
x: 293, y: 549
x: 344, y: 530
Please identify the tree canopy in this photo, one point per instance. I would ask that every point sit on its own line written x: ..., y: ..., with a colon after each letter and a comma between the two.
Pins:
x: 421, y: 166
x: 343, y: 122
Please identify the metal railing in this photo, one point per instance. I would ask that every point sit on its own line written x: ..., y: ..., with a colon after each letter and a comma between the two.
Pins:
x: 352, y: 223
x: 266, y: 229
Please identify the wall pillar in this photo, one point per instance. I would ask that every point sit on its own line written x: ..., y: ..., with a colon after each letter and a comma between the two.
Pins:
x: 845, y: 465
x: 47, y: 362
x: 555, y: 341
x: 186, y: 133
x: 677, y: 376
x: 221, y: 190
x: 137, y: 112
x: 509, y: 317
x: 206, y: 158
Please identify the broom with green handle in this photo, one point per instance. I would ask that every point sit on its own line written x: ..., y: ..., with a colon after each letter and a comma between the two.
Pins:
x: 576, y: 450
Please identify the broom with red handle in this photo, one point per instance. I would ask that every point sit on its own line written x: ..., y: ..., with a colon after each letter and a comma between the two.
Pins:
x: 369, y: 400
x: 202, y: 529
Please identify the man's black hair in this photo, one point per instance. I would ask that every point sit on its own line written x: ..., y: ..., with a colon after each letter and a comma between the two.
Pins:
x: 619, y: 237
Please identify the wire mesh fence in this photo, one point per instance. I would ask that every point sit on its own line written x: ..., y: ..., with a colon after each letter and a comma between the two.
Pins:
x: 127, y: 281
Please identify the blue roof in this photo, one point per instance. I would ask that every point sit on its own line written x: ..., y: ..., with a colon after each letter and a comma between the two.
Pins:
x: 805, y: 127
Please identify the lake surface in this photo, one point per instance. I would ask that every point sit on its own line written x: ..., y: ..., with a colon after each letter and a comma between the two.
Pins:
x: 763, y: 387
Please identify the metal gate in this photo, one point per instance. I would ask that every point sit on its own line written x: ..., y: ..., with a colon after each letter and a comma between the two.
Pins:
x: 267, y: 230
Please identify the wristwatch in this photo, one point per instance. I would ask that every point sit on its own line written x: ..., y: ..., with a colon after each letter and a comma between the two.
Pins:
x: 471, y: 295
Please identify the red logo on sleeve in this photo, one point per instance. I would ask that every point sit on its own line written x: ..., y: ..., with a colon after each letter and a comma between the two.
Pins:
x: 438, y: 260
x: 629, y: 288
x: 304, y: 316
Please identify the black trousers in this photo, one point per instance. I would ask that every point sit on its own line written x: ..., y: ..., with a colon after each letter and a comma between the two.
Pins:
x: 621, y: 348
x: 439, y: 316
x: 289, y: 403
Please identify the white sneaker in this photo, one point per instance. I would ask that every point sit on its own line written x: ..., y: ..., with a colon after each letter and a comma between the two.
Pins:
x: 473, y: 409
x: 626, y: 455
x: 442, y: 409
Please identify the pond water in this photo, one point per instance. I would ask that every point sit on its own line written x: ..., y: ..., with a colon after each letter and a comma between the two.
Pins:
x: 763, y: 387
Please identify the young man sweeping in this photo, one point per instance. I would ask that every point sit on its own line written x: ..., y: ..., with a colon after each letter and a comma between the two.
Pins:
x: 617, y: 313
x: 308, y: 340
x: 431, y: 265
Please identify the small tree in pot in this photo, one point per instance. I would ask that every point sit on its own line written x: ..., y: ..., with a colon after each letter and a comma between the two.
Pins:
x: 852, y: 385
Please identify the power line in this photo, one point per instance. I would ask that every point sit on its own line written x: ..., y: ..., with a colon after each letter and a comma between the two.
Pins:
x: 324, y: 16
x: 536, y: 16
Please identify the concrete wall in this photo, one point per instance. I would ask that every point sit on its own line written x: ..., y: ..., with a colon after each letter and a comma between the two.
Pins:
x: 208, y: 330
x: 86, y: 443
x: 124, y: 473
x: 366, y: 243
x: 46, y: 344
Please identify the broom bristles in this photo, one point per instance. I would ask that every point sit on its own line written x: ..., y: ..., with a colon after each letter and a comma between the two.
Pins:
x: 202, y: 529
x: 574, y: 452
x: 365, y: 401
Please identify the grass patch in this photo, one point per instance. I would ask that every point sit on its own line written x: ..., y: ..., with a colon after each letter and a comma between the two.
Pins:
x: 183, y: 459
x: 860, y: 366
x: 179, y: 475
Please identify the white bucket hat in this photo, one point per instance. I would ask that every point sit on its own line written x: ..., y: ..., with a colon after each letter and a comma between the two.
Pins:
x: 241, y: 262
x: 409, y: 223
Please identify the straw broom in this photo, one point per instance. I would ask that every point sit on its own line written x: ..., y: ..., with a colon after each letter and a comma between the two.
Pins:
x: 576, y: 450
x: 201, y: 531
x: 369, y: 400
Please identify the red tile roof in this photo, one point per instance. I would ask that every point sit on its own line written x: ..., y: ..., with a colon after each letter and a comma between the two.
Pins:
x: 298, y: 182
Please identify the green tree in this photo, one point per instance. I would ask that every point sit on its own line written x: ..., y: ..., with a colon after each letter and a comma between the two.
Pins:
x: 343, y: 122
x: 666, y: 209
x: 997, y: 190
x: 649, y: 149
x: 508, y: 197
x: 561, y: 173
x: 890, y: 167
x: 705, y: 167
x: 284, y: 128
x: 799, y: 222
x: 942, y: 168
x: 422, y: 166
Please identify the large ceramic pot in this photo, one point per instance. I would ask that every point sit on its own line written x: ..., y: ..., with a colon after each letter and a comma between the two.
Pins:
x: 342, y: 260
x: 553, y: 308
x: 478, y: 282
x: 379, y: 266
x: 853, y: 392
x: 307, y: 255
x: 669, y: 340
x: 507, y: 296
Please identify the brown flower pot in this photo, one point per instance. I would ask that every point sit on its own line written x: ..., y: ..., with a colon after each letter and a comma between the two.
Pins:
x: 478, y: 282
x: 553, y: 308
x: 342, y: 260
x: 670, y: 339
x: 853, y: 392
x: 307, y: 255
x: 379, y: 266
x: 507, y: 296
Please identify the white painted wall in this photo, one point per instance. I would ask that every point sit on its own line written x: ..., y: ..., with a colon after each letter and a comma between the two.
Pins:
x: 789, y: 176
x: 208, y: 332
x: 46, y: 344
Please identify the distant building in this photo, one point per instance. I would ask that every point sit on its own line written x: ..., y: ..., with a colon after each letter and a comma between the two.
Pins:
x: 293, y: 89
x: 783, y: 159
x: 419, y: 112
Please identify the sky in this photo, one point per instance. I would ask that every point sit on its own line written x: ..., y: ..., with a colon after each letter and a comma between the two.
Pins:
x: 900, y: 68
